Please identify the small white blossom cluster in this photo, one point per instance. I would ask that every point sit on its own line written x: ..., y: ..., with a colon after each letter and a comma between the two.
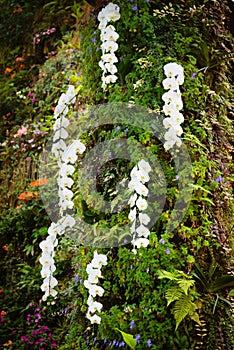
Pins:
x: 173, y: 104
x: 47, y: 258
x: 94, y: 273
x: 61, y: 122
x: 138, y: 203
x: 64, y: 155
x: 109, y: 44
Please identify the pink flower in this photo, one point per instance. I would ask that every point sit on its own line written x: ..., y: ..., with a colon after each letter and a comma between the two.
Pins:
x: 22, y: 131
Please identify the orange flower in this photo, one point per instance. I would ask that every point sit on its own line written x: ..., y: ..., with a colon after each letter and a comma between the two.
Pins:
x: 18, y: 207
x: 12, y: 75
x: 28, y: 195
x: 39, y: 182
x: 5, y: 247
x: 7, y: 70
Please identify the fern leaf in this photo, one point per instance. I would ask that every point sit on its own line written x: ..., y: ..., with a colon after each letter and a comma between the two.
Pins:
x: 173, y: 294
x: 185, y: 285
x: 195, y: 317
x: 166, y: 274
x: 183, y: 307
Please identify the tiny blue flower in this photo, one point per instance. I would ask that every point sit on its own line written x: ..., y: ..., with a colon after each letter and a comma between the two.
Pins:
x: 117, y: 128
x: 93, y: 40
x: 131, y: 267
x: 162, y: 241
x: 104, y: 341
x: 147, y: 270
x: 193, y: 75
x: 219, y: 179
x: 134, y: 8
x: 149, y: 343
x: 138, y: 338
x: 94, y: 339
x: 167, y: 251
x: 126, y: 131
x: 75, y: 278
x: 132, y: 324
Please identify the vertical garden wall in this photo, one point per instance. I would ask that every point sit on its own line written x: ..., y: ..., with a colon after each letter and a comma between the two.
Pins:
x: 142, y: 92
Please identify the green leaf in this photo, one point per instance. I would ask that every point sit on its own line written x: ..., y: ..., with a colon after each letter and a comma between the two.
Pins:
x: 173, y: 294
x: 166, y: 274
x: 231, y: 293
x: 128, y: 338
x: 185, y: 285
x: 183, y: 308
x: 195, y: 317
x: 221, y: 283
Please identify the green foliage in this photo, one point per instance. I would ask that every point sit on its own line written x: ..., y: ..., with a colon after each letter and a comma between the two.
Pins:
x: 182, y: 294
x: 194, y: 35
x: 128, y: 338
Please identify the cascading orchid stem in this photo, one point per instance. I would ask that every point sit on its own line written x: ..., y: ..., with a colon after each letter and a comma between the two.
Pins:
x: 173, y: 104
x: 64, y: 155
x: 109, y: 45
x: 138, y: 203
x: 93, y: 270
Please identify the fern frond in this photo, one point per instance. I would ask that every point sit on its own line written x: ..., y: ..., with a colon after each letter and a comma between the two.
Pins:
x: 185, y: 284
x: 173, y: 294
x: 166, y: 274
x: 183, y: 307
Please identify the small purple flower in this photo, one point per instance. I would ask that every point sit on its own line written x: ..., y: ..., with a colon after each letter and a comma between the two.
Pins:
x: 193, y: 75
x: 81, y: 281
x: 24, y: 338
x: 132, y: 324
x: 147, y: 270
x: 38, y: 309
x: 114, y: 342
x: 126, y: 131
x: 33, y: 99
x: 94, y: 339
x: 134, y: 8
x: 219, y: 179
x: 147, y: 0
x: 104, y: 341
x: 177, y: 177
x: 119, y: 145
x: 97, y: 48
x: 117, y: 128
x: 75, y: 278
x: 167, y: 251
x: 110, y: 155
x: 162, y: 241
x: 131, y: 267
x: 94, y: 40
x: 149, y: 343
x: 138, y: 338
